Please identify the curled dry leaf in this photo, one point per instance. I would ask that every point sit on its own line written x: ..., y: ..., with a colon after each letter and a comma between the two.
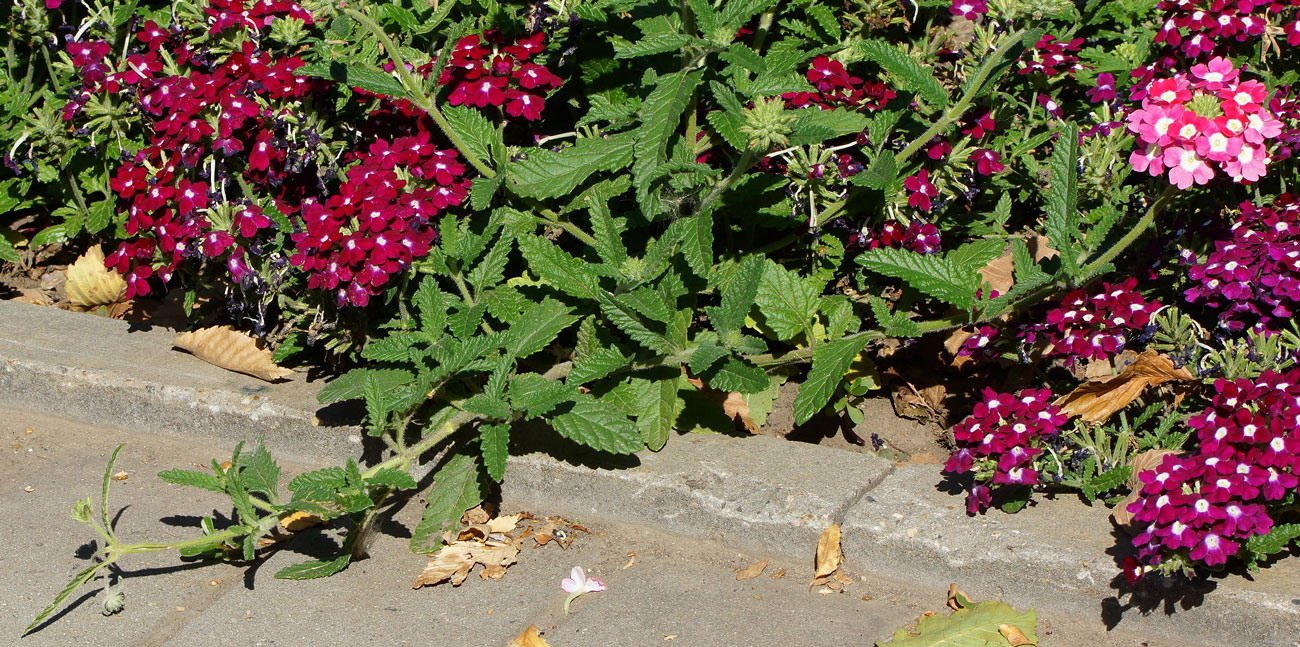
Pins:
x: 752, y: 571
x: 299, y: 520
x: 454, y: 562
x: 1146, y: 461
x: 91, y: 284
x: 828, y: 552
x: 957, y: 598
x: 1014, y: 635
x: 232, y: 350
x: 1097, y: 401
x: 529, y: 638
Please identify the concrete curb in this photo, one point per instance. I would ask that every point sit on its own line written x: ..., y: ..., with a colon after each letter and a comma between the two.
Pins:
x: 759, y: 493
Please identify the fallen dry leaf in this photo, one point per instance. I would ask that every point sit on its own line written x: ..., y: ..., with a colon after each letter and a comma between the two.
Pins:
x: 505, y: 523
x: 631, y: 559
x: 529, y: 638
x: 828, y: 551
x: 1041, y: 247
x: 778, y: 575
x: 999, y: 273
x: 957, y: 598
x: 232, y: 350
x: 1014, y: 635
x: 121, y: 476
x: 91, y: 284
x: 842, y: 577
x: 299, y: 520
x: 752, y: 571
x: 1099, y: 400
x: 454, y: 562
x: 476, y: 515
x: 32, y: 296
x: 738, y: 410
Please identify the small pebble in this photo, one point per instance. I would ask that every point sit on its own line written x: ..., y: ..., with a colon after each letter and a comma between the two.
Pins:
x: 29, y: 431
x: 29, y: 489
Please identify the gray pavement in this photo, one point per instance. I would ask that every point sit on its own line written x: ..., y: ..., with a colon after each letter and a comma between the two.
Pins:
x: 734, y: 499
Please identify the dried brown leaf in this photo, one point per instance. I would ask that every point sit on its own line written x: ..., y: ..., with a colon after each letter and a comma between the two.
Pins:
x: 1099, y: 400
x: 1041, y: 247
x: 957, y: 598
x: 300, y: 520
x: 1145, y: 461
x: 752, y: 571
x: 454, y: 562
x: 737, y: 409
x: 91, y: 284
x: 828, y: 551
x: 232, y: 350
x: 529, y: 638
x: 842, y: 577
x: 1014, y: 635
x: 504, y: 523
x: 32, y: 296
x: 999, y: 273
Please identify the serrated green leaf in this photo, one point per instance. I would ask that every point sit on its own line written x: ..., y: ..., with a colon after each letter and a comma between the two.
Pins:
x: 49, y: 236
x: 595, y: 365
x: 840, y: 318
x: 538, y: 327
x: 537, y: 396
x: 815, y: 126
x: 829, y: 364
x: 487, y: 406
x: 648, y: 302
x: 351, y: 385
x: 882, y: 172
x: 1062, y: 222
x: 457, y: 487
x: 738, y: 296
x: 729, y: 119
x: 318, y: 485
x: 77, y: 581
x: 893, y: 324
x: 911, y: 74
x: 559, y: 269
x: 609, y: 243
x: 494, y: 442
x: 658, y: 36
x: 394, y: 478
x: 314, y: 569
x: 355, y: 76
x: 735, y: 374
x: 193, y: 479
x: 260, y: 472
x: 291, y: 345
x: 8, y: 252
x: 977, y: 253
x: 547, y: 174
x: 931, y: 274
x: 396, y: 347
x: 1274, y: 541
x: 626, y: 319
x: 475, y: 130
x: 599, y: 425
x: 697, y: 243
x: 658, y: 411
x: 707, y: 354
x: 787, y: 301
x: 661, y: 113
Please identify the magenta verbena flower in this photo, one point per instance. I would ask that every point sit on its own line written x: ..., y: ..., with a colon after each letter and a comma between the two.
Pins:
x: 1203, y: 507
x: 1253, y: 276
x: 1093, y: 326
x: 999, y: 441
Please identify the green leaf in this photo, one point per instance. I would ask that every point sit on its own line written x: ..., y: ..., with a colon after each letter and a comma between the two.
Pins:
x: 787, y: 301
x: 736, y: 374
x: 354, y: 76
x: 108, y: 478
x: 260, y: 472
x: 488, y: 407
x: 1270, y: 543
x: 314, y: 569
x: 538, y: 327
x: 72, y: 586
x: 318, y: 485
x: 537, y: 396
x: 491, y: 270
x: 815, y: 126
x: 547, y: 174
x: 1062, y: 222
x: 291, y: 345
x: 8, y: 252
x: 560, y: 270
x: 595, y: 365
x: 658, y: 36
x: 975, y: 626
x: 478, y: 134
x: 351, y: 385
x: 396, y: 347
x: 648, y: 302
x: 659, y: 410
x: 627, y: 320
x: 707, y: 353
x: 697, y: 243
x: 938, y: 276
x: 730, y: 118
x: 829, y: 364
x: 738, y: 295
x: 193, y: 479
x: 609, y: 242
x: 49, y: 236
x: 494, y: 442
x: 457, y: 487
x: 394, y: 478
x: 661, y: 113
x: 911, y: 74
x: 599, y: 425
x: 882, y: 172
x: 893, y: 324
x: 977, y: 253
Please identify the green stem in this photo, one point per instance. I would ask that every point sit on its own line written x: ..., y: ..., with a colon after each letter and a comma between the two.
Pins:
x: 117, y: 550
x: 764, y: 25
x: 418, y: 97
x: 747, y: 159
x: 403, y: 459
x: 1136, y: 232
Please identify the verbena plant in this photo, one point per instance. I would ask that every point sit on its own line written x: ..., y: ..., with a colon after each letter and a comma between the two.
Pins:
x: 564, y: 211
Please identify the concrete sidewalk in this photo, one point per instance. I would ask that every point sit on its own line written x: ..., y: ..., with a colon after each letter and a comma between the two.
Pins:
x: 740, y: 498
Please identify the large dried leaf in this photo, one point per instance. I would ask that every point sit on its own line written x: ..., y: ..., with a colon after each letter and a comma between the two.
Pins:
x: 232, y: 350
x: 33, y: 296
x: 999, y: 272
x: 752, y: 571
x: 828, y: 552
x: 454, y: 562
x: 91, y: 284
x: 529, y: 638
x: 1099, y: 400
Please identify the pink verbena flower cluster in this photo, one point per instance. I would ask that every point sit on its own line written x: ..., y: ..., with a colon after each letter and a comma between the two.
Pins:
x: 1193, y: 124
x: 969, y: 9
x: 1254, y: 276
x: 486, y: 71
x: 1093, y: 326
x: 378, y: 223
x: 1201, y: 27
x: 836, y: 88
x: 1203, y: 507
x: 999, y: 440
x: 921, y: 191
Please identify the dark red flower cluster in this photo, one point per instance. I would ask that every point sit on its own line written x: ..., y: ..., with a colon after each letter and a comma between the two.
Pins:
x: 969, y: 9
x: 980, y: 344
x: 999, y: 440
x: 377, y: 224
x: 486, y: 71
x: 1093, y: 326
x: 1253, y: 278
x: 1200, y: 28
x: 836, y: 89
x: 1204, y: 505
x: 920, y: 190
x: 172, y: 186
x: 1051, y: 57
x: 919, y: 237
